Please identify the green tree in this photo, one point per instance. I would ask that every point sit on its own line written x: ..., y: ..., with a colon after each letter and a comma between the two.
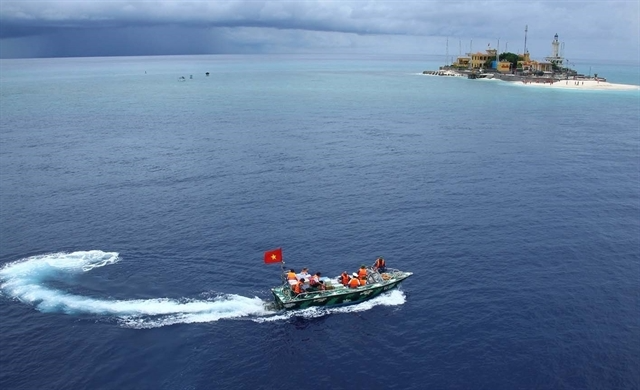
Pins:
x: 511, y: 57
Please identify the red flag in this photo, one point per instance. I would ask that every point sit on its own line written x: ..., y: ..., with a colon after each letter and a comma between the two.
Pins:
x: 273, y: 256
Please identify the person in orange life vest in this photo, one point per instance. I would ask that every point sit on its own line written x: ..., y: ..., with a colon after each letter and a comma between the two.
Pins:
x: 344, y: 278
x: 380, y: 265
x: 362, y: 275
x: 297, y: 288
x: 292, y: 278
x: 354, y: 282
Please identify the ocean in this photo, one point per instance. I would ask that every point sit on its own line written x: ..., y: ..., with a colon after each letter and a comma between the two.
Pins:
x: 136, y: 207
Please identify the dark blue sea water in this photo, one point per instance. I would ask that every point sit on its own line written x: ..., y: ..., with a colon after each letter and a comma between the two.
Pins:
x: 135, y: 210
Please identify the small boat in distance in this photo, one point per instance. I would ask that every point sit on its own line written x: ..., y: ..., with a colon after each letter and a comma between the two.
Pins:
x: 334, y: 293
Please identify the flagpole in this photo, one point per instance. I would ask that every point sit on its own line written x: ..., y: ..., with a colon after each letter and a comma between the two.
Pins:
x: 282, y: 268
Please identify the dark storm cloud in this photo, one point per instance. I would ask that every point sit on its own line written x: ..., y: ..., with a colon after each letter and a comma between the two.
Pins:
x: 217, y: 20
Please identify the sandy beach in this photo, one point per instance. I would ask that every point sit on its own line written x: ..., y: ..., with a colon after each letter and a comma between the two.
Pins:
x: 577, y: 84
x: 589, y: 84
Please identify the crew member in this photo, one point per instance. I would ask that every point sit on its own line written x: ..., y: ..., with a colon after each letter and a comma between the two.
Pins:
x: 354, y: 282
x: 380, y: 265
x: 362, y: 275
x: 297, y: 288
x: 314, y: 282
x: 292, y: 278
x: 304, y: 273
x: 344, y: 278
x: 315, y: 279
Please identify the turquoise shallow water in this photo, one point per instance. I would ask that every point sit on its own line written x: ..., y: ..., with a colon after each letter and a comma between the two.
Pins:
x: 135, y: 210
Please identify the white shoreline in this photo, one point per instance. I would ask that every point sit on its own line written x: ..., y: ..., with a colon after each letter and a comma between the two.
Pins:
x: 593, y: 85
x: 575, y: 84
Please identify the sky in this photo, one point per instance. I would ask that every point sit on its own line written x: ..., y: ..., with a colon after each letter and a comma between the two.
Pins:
x: 600, y: 30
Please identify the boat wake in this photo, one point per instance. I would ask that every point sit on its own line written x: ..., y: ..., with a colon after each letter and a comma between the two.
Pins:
x: 26, y: 280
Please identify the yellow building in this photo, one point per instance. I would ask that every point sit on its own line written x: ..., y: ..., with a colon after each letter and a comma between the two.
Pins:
x: 543, y: 67
x: 462, y: 62
x: 535, y: 66
x: 478, y: 60
x: 504, y: 67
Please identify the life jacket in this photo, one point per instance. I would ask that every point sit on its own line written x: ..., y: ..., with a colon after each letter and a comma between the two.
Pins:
x: 354, y: 282
x: 344, y: 279
x: 362, y: 274
x: 291, y: 276
x: 380, y: 263
x: 297, y: 288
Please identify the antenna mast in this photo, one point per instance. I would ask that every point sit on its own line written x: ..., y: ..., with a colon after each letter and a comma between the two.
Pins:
x: 526, y: 28
x: 447, y: 59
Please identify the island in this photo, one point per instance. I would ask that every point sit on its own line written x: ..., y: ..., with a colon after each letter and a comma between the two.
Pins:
x: 552, y: 72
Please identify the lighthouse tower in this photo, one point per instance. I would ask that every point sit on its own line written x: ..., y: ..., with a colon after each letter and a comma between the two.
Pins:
x: 555, y: 52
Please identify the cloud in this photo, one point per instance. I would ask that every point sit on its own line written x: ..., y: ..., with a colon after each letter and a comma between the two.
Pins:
x: 240, y: 26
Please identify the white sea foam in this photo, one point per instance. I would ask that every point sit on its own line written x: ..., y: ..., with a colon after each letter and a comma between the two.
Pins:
x: 26, y: 279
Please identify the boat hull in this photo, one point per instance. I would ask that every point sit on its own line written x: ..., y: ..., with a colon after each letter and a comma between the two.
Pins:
x: 337, y: 296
